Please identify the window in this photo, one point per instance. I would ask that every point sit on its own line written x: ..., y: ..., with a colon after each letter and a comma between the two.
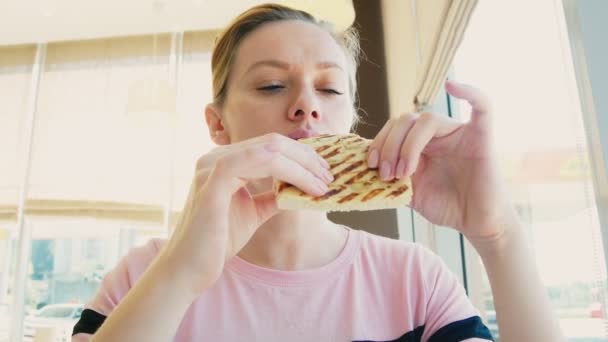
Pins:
x: 15, y: 73
x: 518, y: 53
x: 78, y: 313
x: 113, y: 155
x: 56, y: 312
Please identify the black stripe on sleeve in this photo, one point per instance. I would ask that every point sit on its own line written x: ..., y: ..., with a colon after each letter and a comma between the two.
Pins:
x: 411, y: 336
x: 89, y: 322
x: 471, y: 327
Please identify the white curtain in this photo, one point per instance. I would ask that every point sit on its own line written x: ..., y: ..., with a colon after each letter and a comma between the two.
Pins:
x: 106, y: 119
x: 27, y: 22
x: 194, y: 93
x: 15, y: 74
x: 421, y: 38
x: 442, y: 27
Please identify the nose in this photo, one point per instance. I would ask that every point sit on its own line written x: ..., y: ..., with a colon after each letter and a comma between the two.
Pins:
x: 305, y: 107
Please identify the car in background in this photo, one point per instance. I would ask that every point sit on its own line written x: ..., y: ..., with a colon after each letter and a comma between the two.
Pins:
x: 4, y: 322
x: 595, y: 310
x: 491, y: 323
x: 62, y: 317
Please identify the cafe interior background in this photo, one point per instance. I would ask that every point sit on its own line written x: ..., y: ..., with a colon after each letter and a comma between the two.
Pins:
x: 101, y: 121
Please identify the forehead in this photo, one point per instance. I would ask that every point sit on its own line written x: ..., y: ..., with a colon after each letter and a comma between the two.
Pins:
x: 291, y: 41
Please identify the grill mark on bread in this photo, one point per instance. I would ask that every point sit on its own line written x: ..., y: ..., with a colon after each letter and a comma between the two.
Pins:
x: 323, y: 136
x: 348, y: 169
x: 348, y: 197
x: 358, y: 176
x: 335, y: 165
x: 331, y: 153
x: 329, y: 194
x: 351, y: 139
x: 397, y: 191
x: 371, y: 195
x: 322, y: 148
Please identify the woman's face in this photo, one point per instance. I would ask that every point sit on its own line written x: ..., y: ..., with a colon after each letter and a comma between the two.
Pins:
x: 287, y: 75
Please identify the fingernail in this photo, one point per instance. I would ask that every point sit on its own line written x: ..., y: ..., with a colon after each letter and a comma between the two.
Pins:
x: 372, y: 161
x: 328, y: 176
x: 385, y: 170
x: 324, y: 163
x: 322, y: 188
x: 400, y: 172
x: 411, y: 168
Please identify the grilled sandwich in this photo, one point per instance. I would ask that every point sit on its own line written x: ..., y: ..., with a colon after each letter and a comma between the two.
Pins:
x: 355, y: 185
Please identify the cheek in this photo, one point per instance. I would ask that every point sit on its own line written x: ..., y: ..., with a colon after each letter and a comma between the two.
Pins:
x: 258, y: 112
x: 250, y: 117
x: 340, y: 116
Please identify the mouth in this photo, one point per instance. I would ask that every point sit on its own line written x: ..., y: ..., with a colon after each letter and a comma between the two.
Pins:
x: 302, y: 133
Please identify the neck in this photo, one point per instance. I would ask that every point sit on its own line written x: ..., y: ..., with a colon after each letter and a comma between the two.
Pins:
x: 295, y: 240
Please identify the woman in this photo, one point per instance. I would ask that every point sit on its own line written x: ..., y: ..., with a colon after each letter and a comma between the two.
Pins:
x: 237, y: 268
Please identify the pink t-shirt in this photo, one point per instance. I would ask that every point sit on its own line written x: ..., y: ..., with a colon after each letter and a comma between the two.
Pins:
x: 377, y: 289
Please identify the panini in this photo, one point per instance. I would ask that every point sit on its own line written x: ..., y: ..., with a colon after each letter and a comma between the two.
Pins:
x: 355, y: 185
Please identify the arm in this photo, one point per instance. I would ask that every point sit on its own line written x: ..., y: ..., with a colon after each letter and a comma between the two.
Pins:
x: 523, y: 309
x: 152, y: 310
x: 218, y: 219
x: 457, y: 183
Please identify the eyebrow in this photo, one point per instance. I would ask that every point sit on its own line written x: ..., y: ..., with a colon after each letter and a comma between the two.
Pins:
x: 282, y: 65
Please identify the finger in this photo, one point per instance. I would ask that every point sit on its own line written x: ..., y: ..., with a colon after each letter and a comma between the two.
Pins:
x: 480, y: 104
x: 427, y: 127
x: 287, y: 170
x: 373, y: 156
x: 392, y: 145
x: 256, y: 162
x: 303, y: 154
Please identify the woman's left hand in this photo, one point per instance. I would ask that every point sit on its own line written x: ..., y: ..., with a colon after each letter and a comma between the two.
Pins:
x: 453, y: 166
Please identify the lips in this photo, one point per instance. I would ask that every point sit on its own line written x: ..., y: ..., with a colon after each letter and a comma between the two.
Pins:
x: 302, y: 133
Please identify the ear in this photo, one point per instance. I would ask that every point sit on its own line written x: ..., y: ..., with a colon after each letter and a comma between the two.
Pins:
x: 216, y: 125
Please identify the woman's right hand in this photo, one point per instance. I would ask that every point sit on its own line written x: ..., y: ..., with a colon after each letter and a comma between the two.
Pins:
x: 221, y: 215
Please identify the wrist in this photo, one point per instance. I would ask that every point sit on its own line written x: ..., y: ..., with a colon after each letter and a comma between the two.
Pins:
x: 510, y: 235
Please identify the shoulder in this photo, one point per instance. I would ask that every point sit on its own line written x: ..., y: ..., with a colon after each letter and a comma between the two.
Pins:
x: 114, y: 287
x: 119, y: 280
x: 424, y: 284
x: 137, y: 260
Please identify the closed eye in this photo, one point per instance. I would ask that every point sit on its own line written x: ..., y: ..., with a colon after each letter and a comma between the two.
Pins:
x: 273, y: 88
x: 331, y: 91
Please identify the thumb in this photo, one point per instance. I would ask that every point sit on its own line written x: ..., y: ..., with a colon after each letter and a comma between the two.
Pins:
x: 480, y: 104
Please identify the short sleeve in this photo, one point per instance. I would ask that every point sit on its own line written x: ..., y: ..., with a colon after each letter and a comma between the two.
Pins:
x: 114, y: 287
x: 450, y: 315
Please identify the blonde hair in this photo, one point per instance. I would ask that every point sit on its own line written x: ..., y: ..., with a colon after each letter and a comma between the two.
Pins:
x: 228, y: 42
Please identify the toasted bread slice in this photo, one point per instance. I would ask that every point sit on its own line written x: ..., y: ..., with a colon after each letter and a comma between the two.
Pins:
x: 355, y: 187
